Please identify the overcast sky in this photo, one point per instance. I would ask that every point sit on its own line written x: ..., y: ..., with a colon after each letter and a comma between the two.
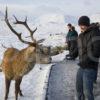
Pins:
x: 70, y: 7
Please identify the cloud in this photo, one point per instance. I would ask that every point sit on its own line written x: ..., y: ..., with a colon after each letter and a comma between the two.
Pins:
x: 87, y: 3
x: 71, y: 7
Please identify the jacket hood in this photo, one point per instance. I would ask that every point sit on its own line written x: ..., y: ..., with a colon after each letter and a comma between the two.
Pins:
x: 93, y: 26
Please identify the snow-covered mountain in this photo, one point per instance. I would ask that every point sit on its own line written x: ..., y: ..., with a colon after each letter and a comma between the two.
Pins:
x: 51, y: 18
x: 51, y: 27
x: 71, y: 19
x: 51, y: 24
x: 95, y: 17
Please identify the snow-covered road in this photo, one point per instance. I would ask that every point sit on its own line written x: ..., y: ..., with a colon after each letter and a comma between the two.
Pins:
x: 62, y: 82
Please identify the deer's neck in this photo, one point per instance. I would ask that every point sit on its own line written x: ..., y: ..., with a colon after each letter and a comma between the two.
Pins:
x: 30, y: 54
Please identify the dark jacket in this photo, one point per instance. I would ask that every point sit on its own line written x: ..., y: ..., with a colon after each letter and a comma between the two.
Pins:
x: 72, y: 35
x: 89, y: 48
x: 72, y: 43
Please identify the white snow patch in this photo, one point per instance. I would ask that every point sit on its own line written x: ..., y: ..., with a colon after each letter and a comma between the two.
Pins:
x: 60, y: 57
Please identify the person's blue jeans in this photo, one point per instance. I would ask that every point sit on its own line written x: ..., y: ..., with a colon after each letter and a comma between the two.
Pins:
x: 84, y: 83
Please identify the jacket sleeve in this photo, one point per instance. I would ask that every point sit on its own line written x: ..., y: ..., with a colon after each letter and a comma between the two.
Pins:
x: 93, y: 47
x: 96, y: 43
x: 75, y: 51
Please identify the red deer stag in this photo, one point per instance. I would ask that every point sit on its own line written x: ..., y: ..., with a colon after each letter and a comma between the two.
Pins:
x: 17, y: 63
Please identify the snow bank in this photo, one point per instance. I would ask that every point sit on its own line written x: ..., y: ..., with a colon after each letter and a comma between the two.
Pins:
x: 59, y: 57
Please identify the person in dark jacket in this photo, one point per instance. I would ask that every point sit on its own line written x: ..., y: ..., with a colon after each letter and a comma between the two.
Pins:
x: 68, y: 35
x: 72, y: 42
x: 89, y: 53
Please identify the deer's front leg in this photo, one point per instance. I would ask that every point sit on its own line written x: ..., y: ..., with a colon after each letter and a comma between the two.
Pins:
x: 7, y: 83
x: 17, y: 88
x: 20, y: 92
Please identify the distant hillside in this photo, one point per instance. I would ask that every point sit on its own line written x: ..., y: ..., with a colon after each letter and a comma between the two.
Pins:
x: 95, y: 17
x: 71, y: 19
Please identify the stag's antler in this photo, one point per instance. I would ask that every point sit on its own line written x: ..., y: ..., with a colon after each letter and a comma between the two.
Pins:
x: 19, y: 35
x: 26, y: 25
